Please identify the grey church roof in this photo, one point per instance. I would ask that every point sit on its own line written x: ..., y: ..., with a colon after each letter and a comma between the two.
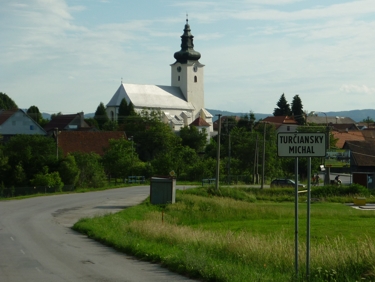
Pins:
x: 150, y: 96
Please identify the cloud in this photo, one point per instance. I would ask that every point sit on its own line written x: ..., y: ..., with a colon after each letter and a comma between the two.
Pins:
x: 361, y: 89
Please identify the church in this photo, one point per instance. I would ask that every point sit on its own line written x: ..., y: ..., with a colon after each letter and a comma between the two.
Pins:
x: 182, y: 103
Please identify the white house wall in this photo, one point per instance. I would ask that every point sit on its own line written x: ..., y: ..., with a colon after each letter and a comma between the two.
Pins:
x: 20, y: 123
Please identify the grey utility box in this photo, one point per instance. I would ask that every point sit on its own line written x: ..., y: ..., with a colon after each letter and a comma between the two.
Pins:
x: 162, y: 190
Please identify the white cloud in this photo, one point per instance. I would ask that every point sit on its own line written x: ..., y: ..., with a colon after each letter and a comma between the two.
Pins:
x: 358, y: 89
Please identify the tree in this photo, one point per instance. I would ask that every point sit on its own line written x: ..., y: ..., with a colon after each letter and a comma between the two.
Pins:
x: 6, y: 103
x: 123, y: 111
x: 45, y: 178
x: 92, y: 122
x: 34, y: 113
x: 91, y: 170
x: 101, y: 115
x: 192, y: 137
x: 119, y: 158
x: 37, y: 152
x: 68, y: 170
x: 110, y: 125
x: 283, y: 107
x: 247, y: 121
x: 297, y: 110
x: 151, y: 135
x: 55, y: 115
x: 368, y: 120
x: 131, y: 111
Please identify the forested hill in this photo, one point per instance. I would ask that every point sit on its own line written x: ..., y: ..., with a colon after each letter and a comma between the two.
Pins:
x: 356, y: 115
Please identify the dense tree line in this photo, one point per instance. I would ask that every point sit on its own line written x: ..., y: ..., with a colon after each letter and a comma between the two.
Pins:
x: 152, y: 148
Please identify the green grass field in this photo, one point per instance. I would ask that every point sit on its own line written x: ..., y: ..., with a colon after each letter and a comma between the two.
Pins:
x: 244, y: 235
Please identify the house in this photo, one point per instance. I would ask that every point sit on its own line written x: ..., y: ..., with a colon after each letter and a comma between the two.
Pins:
x: 67, y: 123
x: 362, y: 155
x: 282, y: 123
x: 181, y: 103
x: 346, y: 135
x: 201, y: 125
x: 87, y: 141
x: 13, y: 122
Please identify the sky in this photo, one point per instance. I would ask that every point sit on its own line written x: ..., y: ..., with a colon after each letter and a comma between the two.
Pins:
x: 70, y: 55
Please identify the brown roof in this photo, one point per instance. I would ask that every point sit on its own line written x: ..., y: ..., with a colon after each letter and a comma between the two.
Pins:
x: 369, y: 134
x: 62, y: 122
x: 344, y: 136
x: 362, y: 152
x: 200, y: 122
x: 280, y: 120
x: 5, y: 114
x: 87, y: 141
x: 344, y: 126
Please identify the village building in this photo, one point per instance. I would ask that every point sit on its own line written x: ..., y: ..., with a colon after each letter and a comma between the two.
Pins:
x: 180, y: 104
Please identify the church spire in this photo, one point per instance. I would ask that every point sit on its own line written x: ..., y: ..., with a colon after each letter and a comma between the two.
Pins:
x: 187, y: 52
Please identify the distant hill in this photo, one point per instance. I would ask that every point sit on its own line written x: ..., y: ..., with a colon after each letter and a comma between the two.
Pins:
x: 48, y: 116
x: 356, y: 115
x: 226, y: 113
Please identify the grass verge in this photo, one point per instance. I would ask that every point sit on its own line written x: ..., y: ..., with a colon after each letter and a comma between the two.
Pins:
x: 242, y: 235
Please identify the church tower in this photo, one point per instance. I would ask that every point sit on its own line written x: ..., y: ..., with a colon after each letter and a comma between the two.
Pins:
x: 187, y: 72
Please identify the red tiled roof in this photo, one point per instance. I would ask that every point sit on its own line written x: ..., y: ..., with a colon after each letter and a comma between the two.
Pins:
x: 200, y: 122
x: 344, y: 136
x: 87, y: 141
x: 280, y: 120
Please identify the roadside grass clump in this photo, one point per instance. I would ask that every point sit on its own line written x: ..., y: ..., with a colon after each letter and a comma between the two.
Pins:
x: 218, y: 238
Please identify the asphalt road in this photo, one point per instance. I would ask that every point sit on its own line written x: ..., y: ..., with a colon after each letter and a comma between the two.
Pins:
x: 37, y: 243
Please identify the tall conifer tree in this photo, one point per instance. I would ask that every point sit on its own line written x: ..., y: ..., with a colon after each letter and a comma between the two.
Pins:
x: 283, y: 107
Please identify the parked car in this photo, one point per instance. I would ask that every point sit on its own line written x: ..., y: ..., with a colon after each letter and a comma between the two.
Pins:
x: 283, y: 182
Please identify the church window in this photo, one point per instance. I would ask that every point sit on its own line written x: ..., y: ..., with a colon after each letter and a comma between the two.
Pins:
x: 195, y: 79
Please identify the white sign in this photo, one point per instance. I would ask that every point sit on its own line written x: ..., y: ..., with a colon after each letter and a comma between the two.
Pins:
x: 301, y: 144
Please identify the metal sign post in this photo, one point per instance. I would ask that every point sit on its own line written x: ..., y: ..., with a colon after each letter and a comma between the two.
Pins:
x: 302, y: 145
x: 296, y: 217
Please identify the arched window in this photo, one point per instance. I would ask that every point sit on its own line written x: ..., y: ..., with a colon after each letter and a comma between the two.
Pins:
x: 195, y: 79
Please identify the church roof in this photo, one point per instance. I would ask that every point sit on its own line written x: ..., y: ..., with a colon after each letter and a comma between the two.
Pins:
x: 151, y: 96
x: 200, y: 122
x: 187, y: 52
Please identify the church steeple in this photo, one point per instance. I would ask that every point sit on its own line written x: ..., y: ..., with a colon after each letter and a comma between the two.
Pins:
x: 187, y: 52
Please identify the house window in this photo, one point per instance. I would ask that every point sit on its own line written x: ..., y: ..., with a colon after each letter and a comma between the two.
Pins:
x: 288, y: 128
x: 112, y: 115
x: 178, y: 78
x: 31, y: 127
x: 195, y: 79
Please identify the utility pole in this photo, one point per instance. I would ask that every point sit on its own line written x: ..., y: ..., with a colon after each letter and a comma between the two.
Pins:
x: 218, y: 155
x: 255, y: 173
x: 132, y: 139
x: 264, y: 155
x: 57, y: 143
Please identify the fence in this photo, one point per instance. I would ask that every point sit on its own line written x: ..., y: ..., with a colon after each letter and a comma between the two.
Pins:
x: 6, y: 192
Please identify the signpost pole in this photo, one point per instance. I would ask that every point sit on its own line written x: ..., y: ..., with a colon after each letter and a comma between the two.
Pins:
x: 296, y: 216
x: 308, y: 218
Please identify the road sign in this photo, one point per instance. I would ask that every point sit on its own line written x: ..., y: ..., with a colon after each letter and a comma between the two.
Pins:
x: 298, y: 144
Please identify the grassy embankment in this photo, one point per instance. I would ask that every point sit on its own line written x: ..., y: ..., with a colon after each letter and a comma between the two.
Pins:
x: 246, y: 235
